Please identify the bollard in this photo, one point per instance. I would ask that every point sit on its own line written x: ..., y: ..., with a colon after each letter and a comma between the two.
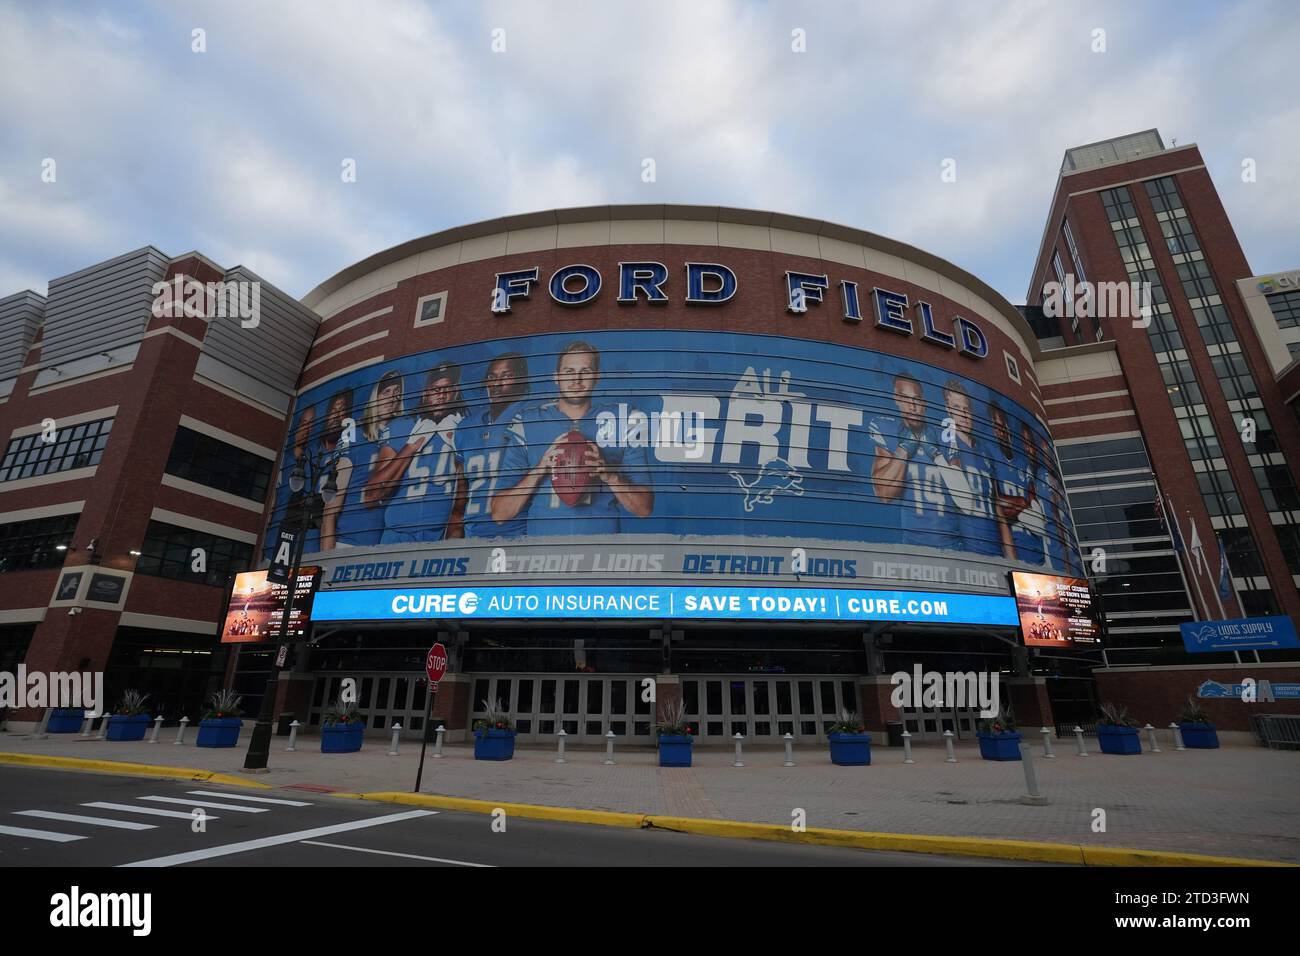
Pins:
x: 86, y: 725
x: 397, y: 729
x: 180, y: 732
x: 1078, y: 740
x: 947, y: 740
x: 609, y: 749
x: 1033, y: 798
x: 293, y: 738
x: 157, y: 726
x: 1047, y: 744
x: 1178, y: 736
x: 43, y: 730
x: 103, y: 729
x: 437, y: 746
x: 789, y: 748
x: 907, y: 748
x: 1151, y: 734
x: 561, y: 735
x: 738, y: 740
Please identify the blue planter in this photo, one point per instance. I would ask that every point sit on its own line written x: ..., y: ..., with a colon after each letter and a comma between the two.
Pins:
x: 850, y: 750
x: 341, y: 738
x: 675, y: 751
x: 66, y: 720
x: 219, y: 732
x: 494, y: 744
x: 1003, y: 746
x: 1118, y: 740
x: 127, y: 728
x: 1199, y: 736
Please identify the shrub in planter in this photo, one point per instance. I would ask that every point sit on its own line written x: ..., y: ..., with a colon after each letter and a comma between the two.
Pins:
x: 998, y: 737
x: 850, y: 743
x: 343, y: 727
x: 221, y: 724
x: 1117, y: 732
x: 675, y: 738
x: 494, y: 734
x: 1198, y: 732
x: 130, y: 720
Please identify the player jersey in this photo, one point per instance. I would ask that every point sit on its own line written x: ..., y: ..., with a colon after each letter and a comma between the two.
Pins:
x: 481, y: 447
x: 1013, y: 480
x: 359, y: 525
x: 927, y: 517
x: 1054, y: 529
x: 971, y: 486
x: 531, y: 433
x: 419, y: 508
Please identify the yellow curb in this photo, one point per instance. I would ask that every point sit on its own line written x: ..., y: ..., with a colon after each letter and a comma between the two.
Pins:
x: 988, y: 848
x: 604, y: 818
x: 128, y: 769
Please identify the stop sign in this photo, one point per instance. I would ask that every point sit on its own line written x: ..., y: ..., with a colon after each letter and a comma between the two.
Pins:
x: 435, y: 665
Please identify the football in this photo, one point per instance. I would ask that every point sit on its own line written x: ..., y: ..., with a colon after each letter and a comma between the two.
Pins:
x: 570, y: 478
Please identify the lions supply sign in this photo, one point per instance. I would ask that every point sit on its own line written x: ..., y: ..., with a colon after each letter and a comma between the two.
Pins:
x: 672, y: 445
x: 635, y: 603
x: 1239, y: 634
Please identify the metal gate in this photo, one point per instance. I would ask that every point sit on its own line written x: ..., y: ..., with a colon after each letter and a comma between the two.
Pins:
x: 585, y: 706
x: 765, y: 709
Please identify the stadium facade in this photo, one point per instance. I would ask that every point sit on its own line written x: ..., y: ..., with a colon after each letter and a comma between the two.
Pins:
x: 764, y: 461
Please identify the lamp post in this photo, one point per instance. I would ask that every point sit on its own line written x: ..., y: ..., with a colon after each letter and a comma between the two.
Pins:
x: 325, y: 465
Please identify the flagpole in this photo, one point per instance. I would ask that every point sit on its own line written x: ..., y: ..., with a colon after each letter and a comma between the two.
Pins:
x: 1232, y: 580
x: 1223, y: 616
x: 1177, y: 536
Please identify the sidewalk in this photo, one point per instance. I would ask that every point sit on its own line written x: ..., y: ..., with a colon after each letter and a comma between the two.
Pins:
x: 1239, y: 801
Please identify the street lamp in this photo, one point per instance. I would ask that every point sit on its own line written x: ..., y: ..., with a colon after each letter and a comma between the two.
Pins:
x: 324, y: 465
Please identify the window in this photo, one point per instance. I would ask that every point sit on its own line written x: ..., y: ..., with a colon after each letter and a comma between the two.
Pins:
x: 74, y: 446
x: 1286, y: 308
x: 168, y: 552
x: 1074, y: 252
x: 1013, y: 369
x: 26, y: 545
x: 210, y: 461
x: 431, y: 309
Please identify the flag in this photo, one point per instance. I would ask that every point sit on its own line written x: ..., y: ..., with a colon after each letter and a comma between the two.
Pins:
x: 1160, y: 512
x: 1225, y: 573
x: 1169, y: 527
x: 1197, y: 549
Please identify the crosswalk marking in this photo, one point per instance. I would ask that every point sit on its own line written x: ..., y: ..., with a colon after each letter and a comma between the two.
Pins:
x: 409, y: 856
x: 92, y: 821
x: 151, y: 811
x: 202, y: 803
x: 40, y: 834
x: 240, y: 796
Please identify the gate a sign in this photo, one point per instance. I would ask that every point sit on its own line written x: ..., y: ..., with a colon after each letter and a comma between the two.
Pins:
x: 282, y: 560
x: 435, y: 665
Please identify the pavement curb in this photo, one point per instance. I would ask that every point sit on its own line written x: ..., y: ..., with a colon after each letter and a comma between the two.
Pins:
x: 1023, y: 850
x: 124, y: 768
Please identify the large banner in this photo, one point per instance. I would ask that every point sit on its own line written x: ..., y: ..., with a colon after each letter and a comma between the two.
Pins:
x: 1055, y: 611
x: 676, y: 435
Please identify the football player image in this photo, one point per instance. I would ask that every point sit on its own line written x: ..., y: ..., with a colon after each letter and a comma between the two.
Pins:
x: 481, y: 444
x: 326, y: 454
x: 358, y: 521
x: 1012, y: 482
x: 967, y: 473
x: 903, y: 468
x: 565, y: 475
x: 287, y: 501
x: 1050, y: 493
x: 421, y: 482
x: 1032, y: 523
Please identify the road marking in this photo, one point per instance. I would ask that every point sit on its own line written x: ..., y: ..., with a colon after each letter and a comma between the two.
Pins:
x: 240, y: 796
x: 409, y: 856
x: 40, y: 834
x: 151, y: 811
x: 201, y: 803
x: 93, y: 821
x: 194, y: 855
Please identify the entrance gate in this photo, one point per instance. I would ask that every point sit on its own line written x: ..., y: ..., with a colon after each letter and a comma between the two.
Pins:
x: 765, y: 709
x: 586, y: 707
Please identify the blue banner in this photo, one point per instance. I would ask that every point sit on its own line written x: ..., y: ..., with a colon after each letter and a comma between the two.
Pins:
x: 679, y: 603
x: 674, y: 433
x: 1239, y: 634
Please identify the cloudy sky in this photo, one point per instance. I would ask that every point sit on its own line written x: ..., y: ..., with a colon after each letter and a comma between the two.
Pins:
x: 238, y: 151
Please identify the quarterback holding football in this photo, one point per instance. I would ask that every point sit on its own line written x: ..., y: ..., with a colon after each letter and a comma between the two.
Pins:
x: 553, y: 444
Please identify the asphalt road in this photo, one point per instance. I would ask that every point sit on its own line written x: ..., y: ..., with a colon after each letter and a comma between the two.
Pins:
x: 53, y: 818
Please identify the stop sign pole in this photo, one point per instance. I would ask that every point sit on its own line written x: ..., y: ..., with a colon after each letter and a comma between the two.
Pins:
x: 435, y: 667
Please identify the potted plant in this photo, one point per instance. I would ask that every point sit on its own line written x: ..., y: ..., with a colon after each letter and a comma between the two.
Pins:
x: 130, y: 720
x: 342, y: 728
x: 850, y: 742
x: 675, y: 738
x: 494, y: 734
x: 1198, y: 732
x: 220, y: 724
x: 998, y: 737
x: 1117, y: 732
x: 66, y: 720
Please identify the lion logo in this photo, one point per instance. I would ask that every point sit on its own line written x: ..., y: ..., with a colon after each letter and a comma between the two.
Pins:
x: 775, y: 475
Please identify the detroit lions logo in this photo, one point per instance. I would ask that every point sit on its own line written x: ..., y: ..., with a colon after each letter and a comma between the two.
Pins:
x: 1207, y: 633
x: 776, y: 475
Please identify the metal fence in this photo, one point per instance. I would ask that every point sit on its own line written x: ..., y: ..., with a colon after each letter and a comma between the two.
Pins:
x: 1276, y: 731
